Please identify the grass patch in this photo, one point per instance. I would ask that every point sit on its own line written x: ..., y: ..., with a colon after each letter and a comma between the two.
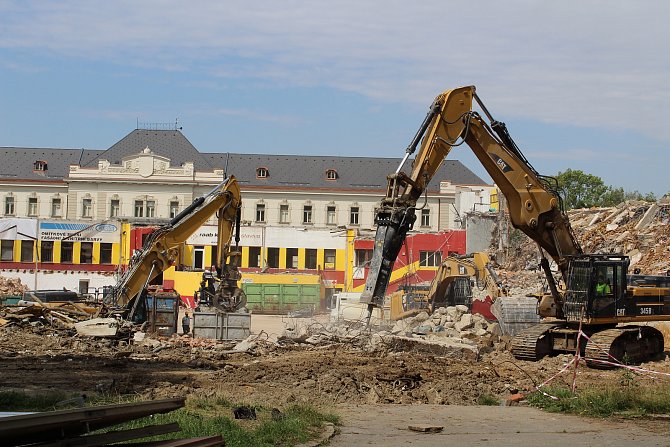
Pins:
x: 206, y: 417
x: 487, y: 399
x: 605, y: 402
x: 22, y: 401
x: 200, y: 417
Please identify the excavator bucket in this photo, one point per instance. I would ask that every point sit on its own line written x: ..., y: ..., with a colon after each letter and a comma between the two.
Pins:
x: 515, y: 313
x: 483, y: 308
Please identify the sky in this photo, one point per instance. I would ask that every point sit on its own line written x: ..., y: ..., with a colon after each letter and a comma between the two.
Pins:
x: 580, y: 84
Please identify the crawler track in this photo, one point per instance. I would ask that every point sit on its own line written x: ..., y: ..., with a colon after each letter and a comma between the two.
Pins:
x: 630, y: 344
x: 534, y: 342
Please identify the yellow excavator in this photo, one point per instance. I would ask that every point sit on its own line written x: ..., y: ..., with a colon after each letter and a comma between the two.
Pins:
x: 161, y: 250
x: 452, y: 286
x: 535, y: 208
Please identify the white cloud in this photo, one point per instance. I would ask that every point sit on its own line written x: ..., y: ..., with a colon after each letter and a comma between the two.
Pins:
x: 596, y: 64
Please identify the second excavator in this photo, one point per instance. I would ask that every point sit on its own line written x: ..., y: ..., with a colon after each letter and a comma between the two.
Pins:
x: 162, y: 249
x: 594, y: 293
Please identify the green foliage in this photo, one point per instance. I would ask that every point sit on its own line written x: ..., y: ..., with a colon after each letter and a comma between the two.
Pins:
x: 487, y: 399
x: 22, y: 401
x: 605, y: 402
x: 200, y: 417
x: 582, y: 190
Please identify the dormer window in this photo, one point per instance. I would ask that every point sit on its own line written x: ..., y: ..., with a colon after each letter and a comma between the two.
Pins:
x: 331, y: 174
x: 40, y: 165
x: 262, y: 173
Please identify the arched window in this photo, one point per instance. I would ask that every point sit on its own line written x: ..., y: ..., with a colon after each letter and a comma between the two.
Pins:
x: 262, y: 172
x: 331, y: 174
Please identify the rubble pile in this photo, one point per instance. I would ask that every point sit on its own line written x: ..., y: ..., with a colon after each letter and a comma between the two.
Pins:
x: 452, y: 321
x: 56, y: 315
x: 11, y: 287
x: 449, y: 331
x: 637, y: 229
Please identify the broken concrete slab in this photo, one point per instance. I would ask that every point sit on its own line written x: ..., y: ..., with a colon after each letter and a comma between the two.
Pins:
x: 98, y: 327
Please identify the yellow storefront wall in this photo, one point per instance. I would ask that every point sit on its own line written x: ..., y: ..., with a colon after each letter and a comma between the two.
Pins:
x: 186, y: 283
x: 341, y: 257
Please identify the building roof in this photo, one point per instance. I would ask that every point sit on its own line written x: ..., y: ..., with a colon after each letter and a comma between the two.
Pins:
x: 310, y: 171
x: 284, y: 171
x: 17, y: 163
x: 168, y: 143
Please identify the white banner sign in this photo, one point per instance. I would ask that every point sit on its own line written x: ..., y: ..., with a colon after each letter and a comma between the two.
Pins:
x: 107, y: 232
x: 18, y: 229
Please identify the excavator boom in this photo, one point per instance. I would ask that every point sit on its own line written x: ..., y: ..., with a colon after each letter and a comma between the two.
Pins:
x: 534, y: 203
x: 161, y: 250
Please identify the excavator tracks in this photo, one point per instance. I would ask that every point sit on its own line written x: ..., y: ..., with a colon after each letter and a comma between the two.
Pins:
x: 534, y: 342
x: 629, y: 344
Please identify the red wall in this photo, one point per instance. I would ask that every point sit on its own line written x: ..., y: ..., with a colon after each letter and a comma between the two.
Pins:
x: 446, y: 242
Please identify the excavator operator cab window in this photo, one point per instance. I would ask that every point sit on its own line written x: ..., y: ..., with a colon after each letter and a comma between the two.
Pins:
x: 606, y: 287
x: 604, y: 279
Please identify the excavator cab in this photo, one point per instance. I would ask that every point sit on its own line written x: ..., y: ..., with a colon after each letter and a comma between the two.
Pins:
x: 596, y: 288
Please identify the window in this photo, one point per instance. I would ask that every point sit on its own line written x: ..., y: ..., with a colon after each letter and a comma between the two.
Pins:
x: 262, y: 173
x: 273, y: 257
x: 151, y: 208
x: 27, y: 251
x: 86, y: 254
x: 114, y: 208
x: 292, y: 258
x: 310, y: 258
x: 329, y: 259
x: 105, y: 253
x: 56, y: 207
x: 174, y: 209
x: 260, y: 212
x: 330, y: 215
x: 254, y: 256
x: 307, y: 214
x: 40, y: 165
x: 425, y: 217
x: 430, y: 258
x: 331, y: 174
x: 9, y: 205
x: 87, y: 208
x: 139, y: 208
x: 47, y: 251
x: 199, y: 257
x: 283, y: 214
x: 66, y: 249
x: 7, y: 251
x: 32, y: 206
x: 362, y: 258
x: 353, y: 215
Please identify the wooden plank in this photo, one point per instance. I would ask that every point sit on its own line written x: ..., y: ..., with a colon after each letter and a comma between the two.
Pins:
x: 41, y: 427
x: 102, y: 439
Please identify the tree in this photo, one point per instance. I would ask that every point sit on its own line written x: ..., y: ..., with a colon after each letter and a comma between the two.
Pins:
x: 583, y: 190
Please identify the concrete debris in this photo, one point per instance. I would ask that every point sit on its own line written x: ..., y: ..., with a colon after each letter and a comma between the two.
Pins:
x: 98, y: 327
x: 635, y: 228
x: 11, y: 287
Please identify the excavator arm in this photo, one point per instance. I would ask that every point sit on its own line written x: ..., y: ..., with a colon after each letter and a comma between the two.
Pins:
x: 162, y: 248
x: 534, y: 204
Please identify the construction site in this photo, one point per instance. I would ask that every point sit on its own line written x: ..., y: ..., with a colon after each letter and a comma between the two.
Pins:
x: 558, y: 299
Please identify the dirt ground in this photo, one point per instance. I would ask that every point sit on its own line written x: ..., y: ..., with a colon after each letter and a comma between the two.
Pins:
x: 274, y: 373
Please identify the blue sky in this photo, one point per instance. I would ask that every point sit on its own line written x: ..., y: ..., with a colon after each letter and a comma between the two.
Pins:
x: 580, y: 84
